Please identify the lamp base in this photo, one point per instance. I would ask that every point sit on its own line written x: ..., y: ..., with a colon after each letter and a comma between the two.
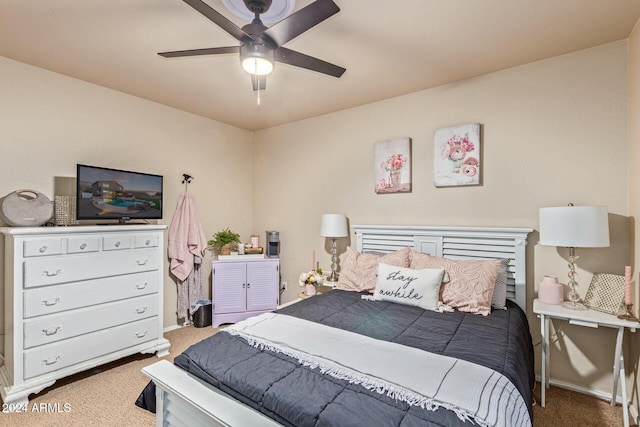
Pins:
x: 629, y: 314
x: 574, y: 305
x: 333, y: 278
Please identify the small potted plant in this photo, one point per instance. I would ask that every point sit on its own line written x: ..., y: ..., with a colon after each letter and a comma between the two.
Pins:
x: 223, y: 241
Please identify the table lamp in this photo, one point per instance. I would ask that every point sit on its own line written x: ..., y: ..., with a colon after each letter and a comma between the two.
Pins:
x: 334, y: 226
x: 574, y: 227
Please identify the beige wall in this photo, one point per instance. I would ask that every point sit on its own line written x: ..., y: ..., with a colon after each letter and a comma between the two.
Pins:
x: 634, y: 186
x: 49, y: 122
x: 553, y: 132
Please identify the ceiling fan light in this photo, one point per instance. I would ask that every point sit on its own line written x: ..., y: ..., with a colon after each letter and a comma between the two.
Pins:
x: 257, y: 59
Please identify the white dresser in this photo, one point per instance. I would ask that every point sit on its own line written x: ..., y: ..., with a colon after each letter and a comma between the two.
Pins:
x: 78, y: 297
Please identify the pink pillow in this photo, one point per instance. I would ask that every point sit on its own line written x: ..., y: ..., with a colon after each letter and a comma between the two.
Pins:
x: 358, y: 271
x: 471, y: 282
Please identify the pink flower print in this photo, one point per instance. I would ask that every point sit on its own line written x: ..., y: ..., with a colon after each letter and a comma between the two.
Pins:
x: 468, y: 170
x: 457, y: 152
x: 382, y: 184
x: 471, y: 161
x: 445, y: 149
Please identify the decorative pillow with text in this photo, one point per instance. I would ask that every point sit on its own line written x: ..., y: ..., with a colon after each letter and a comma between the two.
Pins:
x: 420, y: 288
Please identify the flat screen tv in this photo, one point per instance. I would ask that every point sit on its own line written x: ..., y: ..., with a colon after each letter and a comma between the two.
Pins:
x: 103, y: 193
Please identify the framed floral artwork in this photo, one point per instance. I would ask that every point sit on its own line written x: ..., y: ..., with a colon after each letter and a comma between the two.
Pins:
x: 392, y: 166
x: 457, y: 156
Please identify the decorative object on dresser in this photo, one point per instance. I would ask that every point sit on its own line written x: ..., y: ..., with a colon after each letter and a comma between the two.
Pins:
x: 574, y: 227
x: 334, y: 226
x: 76, y: 298
x: 243, y: 288
x: 310, y: 281
x: 223, y: 241
x: 25, y: 208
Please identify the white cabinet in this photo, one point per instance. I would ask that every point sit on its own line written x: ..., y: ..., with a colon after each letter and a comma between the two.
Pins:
x: 242, y: 289
x: 78, y: 297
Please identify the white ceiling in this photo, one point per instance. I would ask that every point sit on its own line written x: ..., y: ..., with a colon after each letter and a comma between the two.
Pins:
x: 389, y: 48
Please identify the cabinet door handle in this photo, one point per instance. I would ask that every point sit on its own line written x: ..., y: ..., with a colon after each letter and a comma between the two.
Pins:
x: 51, y: 359
x: 143, y: 309
x: 51, y: 301
x: 244, y: 285
x: 83, y: 246
x: 42, y: 249
x: 142, y: 285
x: 248, y: 285
x: 142, y: 261
x: 142, y: 334
x: 51, y: 273
x: 52, y: 331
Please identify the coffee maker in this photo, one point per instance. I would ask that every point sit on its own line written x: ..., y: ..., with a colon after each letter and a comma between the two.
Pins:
x: 273, y: 244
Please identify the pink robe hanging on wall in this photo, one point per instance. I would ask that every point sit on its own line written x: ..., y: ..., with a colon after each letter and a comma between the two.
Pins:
x: 186, y: 246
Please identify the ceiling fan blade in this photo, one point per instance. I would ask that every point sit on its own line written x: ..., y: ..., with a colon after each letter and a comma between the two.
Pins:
x: 219, y: 20
x: 291, y: 57
x: 196, y: 52
x: 259, y: 82
x: 302, y: 20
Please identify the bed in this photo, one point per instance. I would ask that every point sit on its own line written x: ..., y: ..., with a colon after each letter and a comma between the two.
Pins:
x: 230, y: 380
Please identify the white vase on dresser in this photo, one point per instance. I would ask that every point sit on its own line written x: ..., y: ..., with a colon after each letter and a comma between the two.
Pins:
x: 78, y: 297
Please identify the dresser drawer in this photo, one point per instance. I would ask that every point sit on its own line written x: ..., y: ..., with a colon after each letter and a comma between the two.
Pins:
x: 51, y: 357
x: 116, y: 242
x: 146, y: 240
x: 56, y: 327
x: 54, y: 299
x: 83, y: 244
x: 55, y: 270
x: 42, y: 247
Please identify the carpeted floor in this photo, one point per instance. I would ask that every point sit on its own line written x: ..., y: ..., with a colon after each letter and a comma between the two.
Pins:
x: 105, y: 396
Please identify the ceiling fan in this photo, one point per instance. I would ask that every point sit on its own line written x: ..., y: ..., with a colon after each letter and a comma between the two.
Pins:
x: 260, y: 46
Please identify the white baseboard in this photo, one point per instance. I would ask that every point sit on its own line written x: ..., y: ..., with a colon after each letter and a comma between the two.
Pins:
x: 174, y: 327
x: 588, y: 391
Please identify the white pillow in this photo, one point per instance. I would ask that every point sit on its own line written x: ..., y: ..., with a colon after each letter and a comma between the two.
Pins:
x: 408, y: 286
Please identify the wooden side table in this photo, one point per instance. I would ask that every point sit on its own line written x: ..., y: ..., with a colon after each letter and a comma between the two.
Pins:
x: 592, y: 319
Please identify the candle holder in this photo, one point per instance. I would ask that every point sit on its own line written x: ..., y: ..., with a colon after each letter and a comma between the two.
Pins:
x: 629, y: 314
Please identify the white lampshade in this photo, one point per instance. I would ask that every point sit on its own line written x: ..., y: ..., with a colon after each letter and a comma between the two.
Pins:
x: 334, y: 225
x: 574, y: 226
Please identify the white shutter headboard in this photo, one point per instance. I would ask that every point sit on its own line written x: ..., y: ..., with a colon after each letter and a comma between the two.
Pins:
x: 455, y: 243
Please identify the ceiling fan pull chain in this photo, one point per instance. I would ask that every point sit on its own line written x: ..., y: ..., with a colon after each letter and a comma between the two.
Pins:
x: 258, y: 86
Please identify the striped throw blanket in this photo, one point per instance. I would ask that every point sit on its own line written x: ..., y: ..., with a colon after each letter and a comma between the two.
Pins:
x: 475, y: 393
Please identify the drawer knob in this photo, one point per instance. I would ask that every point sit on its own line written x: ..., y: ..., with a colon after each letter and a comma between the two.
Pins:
x: 141, y: 310
x: 147, y: 242
x: 51, y: 273
x: 51, y: 301
x: 141, y: 285
x: 142, y: 334
x: 142, y: 261
x: 83, y: 246
x: 117, y: 244
x: 52, y: 331
x: 51, y: 359
x: 42, y: 249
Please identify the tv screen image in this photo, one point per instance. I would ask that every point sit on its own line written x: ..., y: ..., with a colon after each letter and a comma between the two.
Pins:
x: 104, y: 193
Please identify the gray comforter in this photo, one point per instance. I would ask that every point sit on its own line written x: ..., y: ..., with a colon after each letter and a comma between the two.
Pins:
x: 295, y: 395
